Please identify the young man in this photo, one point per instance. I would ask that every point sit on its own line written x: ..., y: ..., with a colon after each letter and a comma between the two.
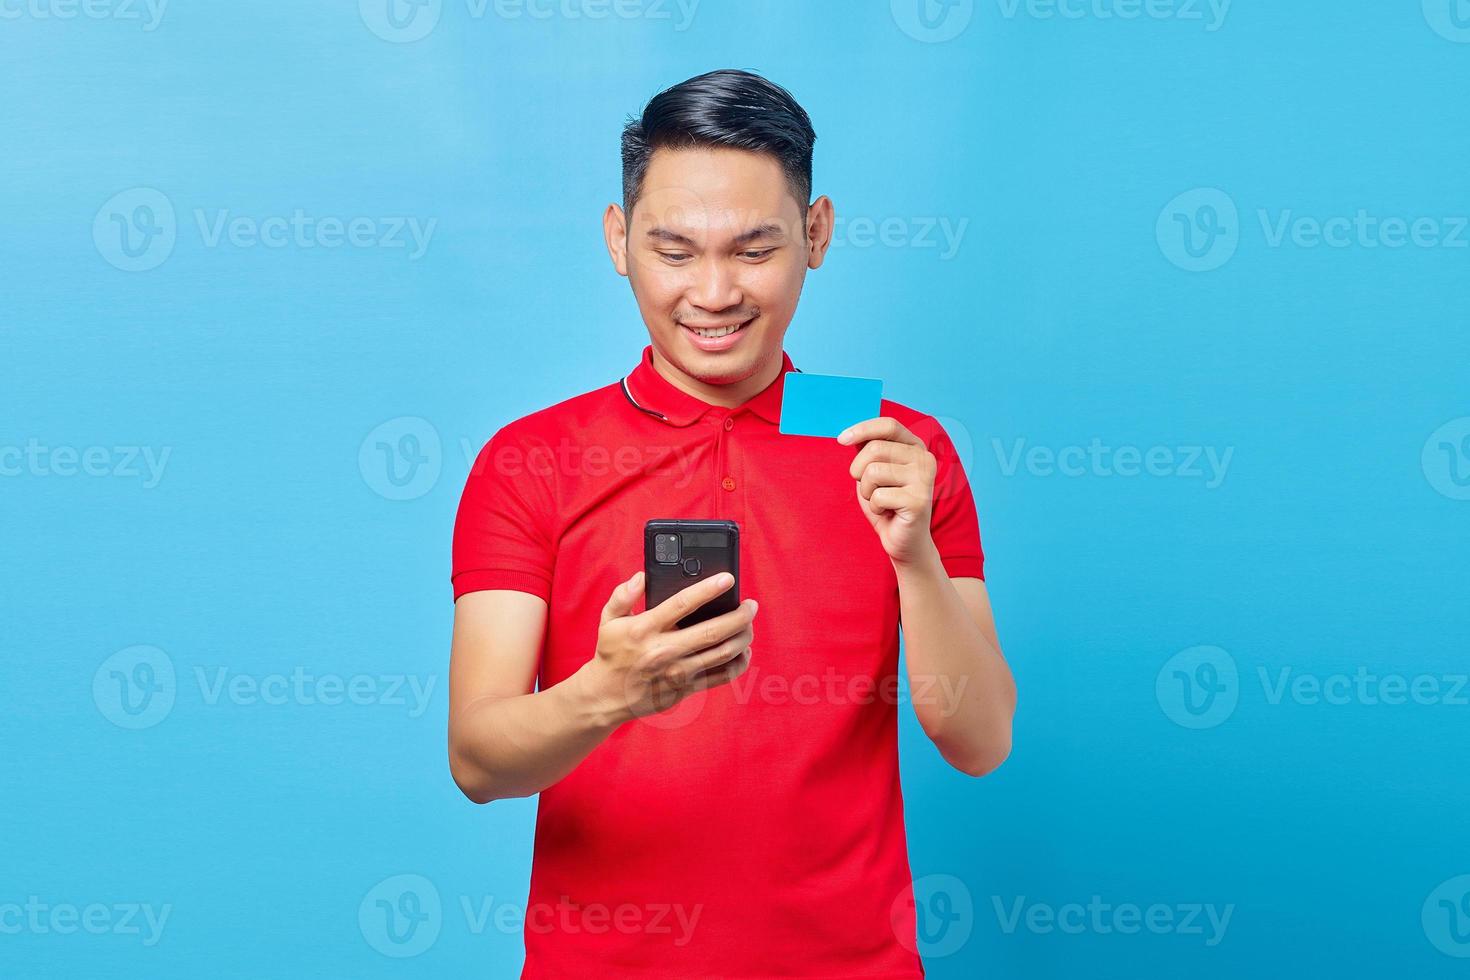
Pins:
x: 717, y: 802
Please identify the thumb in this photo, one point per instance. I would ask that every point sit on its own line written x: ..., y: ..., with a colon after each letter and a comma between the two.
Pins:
x: 623, y: 598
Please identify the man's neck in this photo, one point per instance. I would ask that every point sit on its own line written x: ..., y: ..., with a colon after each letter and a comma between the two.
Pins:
x: 725, y: 396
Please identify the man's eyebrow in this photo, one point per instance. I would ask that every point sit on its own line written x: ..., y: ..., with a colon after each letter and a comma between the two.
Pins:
x: 665, y: 235
x: 764, y: 230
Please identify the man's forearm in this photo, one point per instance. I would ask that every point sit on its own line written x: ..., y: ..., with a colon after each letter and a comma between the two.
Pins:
x: 961, y: 686
x: 518, y: 746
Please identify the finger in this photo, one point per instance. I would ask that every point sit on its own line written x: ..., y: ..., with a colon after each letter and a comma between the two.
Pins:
x: 715, y: 630
x: 882, y: 427
x: 885, y: 475
x: 683, y: 671
x: 623, y: 598
x: 664, y: 615
x: 886, y: 499
x: 860, y: 432
x: 883, y: 450
x: 723, y: 674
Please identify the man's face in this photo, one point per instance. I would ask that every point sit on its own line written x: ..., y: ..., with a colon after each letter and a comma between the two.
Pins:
x: 717, y: 243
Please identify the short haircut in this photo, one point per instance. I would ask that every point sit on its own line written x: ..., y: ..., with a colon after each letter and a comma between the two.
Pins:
x: 727, y: 108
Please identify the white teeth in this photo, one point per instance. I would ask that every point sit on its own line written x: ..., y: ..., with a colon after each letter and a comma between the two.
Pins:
x: 718, y: 332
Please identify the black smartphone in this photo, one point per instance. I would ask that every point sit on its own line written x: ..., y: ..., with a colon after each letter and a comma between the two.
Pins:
x: 676, y: 554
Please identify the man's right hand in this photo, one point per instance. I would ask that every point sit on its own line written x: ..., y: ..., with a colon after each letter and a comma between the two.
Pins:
x: 645, y: 664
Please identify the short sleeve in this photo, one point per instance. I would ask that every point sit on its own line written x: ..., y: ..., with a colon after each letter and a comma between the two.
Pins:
x: 953, y: 523
x: 501, y: 530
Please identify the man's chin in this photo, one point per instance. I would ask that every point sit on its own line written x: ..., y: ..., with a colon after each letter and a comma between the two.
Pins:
x: 711, y: 367
x: 719, y: 369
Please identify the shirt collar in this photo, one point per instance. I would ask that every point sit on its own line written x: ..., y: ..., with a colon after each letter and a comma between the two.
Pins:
x: 651, y: 392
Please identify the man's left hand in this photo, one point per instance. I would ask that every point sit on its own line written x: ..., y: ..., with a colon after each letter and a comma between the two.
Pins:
x: 895, y: 485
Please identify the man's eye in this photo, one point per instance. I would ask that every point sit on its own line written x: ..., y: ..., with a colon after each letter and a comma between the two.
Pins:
x: 757, y: 253
x: 675, y: 256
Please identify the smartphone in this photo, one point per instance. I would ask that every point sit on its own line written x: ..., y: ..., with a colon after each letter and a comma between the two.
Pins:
x: 676, y: 554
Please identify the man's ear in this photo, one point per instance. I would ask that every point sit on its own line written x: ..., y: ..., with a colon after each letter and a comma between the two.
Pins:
x: 615, y: 232
x: 819, y: 221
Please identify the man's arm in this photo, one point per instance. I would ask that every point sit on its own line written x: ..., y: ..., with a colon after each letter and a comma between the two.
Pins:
x: 961, y: 686
x: 504, y: 740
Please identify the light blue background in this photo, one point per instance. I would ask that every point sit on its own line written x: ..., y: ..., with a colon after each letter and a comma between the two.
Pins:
x: 1334, y: 543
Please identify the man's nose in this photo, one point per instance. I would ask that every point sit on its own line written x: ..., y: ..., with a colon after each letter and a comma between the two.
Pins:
x: 716, y: 286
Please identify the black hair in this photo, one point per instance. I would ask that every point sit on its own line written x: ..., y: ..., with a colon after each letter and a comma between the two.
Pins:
x: 728, y: 108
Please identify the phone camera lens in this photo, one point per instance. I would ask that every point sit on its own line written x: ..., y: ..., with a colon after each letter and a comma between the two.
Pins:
x: 666, y: 549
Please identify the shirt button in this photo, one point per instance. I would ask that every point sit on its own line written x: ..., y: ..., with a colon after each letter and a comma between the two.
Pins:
x: 729, y: 424
x: 728, y: 483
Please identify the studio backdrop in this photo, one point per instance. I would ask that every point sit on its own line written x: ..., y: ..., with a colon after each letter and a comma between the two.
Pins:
x: 1184, y: 280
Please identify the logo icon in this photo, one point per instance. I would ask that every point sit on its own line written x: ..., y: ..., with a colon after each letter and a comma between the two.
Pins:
x: 1198, y: 687
x: 943, y: 913
x: 400, y: 21
x: 932, y: 21
x: 1446, y: 916
x: 135, y: 230
x: 401, y: 916
x: 948, y: 483
x: 678, y: 716
x: 1446, y: 459
x: 135, y: 687
x: 401, y: 458
x: 1449, y: 18
x: 1199, y: 230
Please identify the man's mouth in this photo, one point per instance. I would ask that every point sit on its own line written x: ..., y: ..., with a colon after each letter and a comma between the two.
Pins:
x: 715, y: 332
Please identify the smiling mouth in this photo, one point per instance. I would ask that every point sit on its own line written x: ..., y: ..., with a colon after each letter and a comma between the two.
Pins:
x: 712, y: 333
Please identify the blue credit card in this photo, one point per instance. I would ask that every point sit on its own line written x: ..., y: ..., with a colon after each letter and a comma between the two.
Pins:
x: 825, y: 404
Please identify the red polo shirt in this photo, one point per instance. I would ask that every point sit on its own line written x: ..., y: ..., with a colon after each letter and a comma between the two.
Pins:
x: 756, y: 829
